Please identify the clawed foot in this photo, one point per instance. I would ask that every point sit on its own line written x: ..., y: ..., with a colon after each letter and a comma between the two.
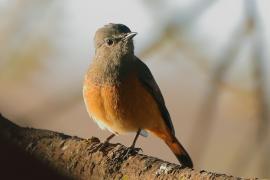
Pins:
x: 131, y: 151
x: 99, y: 147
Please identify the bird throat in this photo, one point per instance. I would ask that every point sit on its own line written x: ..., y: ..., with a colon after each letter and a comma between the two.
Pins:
x: 110, y: 70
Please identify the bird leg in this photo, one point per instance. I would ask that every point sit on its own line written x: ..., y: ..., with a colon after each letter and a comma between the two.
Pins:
x: 135, y: 139
x: 109, y: 138
x: 132, y: 150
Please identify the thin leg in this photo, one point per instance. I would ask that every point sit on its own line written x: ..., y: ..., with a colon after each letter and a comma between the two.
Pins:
x: 109, y: 138
x: 135, y: 139
x: 132, y: 150
x: 106, y: 142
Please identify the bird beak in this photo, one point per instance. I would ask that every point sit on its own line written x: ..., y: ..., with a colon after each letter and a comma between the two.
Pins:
x: 130, y: 35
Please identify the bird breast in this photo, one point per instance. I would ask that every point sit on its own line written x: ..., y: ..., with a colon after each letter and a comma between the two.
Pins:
x: 123, y: 107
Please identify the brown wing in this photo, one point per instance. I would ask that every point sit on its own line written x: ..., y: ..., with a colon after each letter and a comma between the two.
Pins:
x: 148, y: 81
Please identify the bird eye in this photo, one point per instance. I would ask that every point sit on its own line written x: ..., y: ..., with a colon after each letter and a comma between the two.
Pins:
x: 109, y: 42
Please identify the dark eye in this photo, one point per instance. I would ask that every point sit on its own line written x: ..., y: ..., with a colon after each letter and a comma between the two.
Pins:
x: 109, y: 42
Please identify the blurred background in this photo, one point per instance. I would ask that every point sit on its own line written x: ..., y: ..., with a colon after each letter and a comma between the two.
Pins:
x: 209, y: 57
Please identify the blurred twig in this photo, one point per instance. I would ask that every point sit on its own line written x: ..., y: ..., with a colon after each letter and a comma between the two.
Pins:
x: 203, y: 126
x: 175, y: 28
x: 245, y: 155
x: 259, y: 70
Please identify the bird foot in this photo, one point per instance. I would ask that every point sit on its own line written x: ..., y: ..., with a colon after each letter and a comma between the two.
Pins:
x: 131, y: 151
x: 99, y: 147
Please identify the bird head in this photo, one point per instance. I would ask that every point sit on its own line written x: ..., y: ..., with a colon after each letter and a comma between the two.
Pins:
x: 114, y: 40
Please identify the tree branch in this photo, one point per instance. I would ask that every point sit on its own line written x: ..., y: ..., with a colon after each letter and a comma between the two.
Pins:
x: 79, y: 158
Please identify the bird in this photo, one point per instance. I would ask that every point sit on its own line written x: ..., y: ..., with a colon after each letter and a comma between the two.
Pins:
x: 121, y: 94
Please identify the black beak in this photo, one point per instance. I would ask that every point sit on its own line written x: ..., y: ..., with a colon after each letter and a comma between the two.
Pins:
x: 130, y: 35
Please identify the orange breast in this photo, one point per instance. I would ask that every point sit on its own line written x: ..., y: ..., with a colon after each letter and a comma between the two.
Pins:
x: 123, y: 108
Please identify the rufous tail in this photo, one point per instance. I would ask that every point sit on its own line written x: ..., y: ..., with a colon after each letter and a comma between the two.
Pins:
x: 179, y: 151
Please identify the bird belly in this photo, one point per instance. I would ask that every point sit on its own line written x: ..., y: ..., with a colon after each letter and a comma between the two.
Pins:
x: 122, y: 108
x: 99, y: 104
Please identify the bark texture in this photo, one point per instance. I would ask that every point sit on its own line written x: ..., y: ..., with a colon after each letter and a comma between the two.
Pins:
x: 76, y: 158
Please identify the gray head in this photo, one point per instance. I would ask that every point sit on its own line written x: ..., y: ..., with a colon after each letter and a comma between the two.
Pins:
x: 114, y: 40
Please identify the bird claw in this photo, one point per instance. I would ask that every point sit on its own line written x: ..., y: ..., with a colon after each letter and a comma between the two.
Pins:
x: 137, y: 150
x: 131, y: 151
x: 99, y: 147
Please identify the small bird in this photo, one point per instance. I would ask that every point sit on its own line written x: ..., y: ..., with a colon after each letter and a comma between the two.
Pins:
x: 121, y: 94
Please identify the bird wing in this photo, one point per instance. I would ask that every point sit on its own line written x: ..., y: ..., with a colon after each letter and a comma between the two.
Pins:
x: 148, y: 81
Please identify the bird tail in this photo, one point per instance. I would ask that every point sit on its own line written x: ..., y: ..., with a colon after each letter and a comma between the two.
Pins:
x: 179, y: 151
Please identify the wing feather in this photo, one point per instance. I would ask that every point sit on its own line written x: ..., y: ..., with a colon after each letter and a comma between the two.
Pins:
x: 148, y: 81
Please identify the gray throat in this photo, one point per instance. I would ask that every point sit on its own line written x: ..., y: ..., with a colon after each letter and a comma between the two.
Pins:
x: 110, y: 71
